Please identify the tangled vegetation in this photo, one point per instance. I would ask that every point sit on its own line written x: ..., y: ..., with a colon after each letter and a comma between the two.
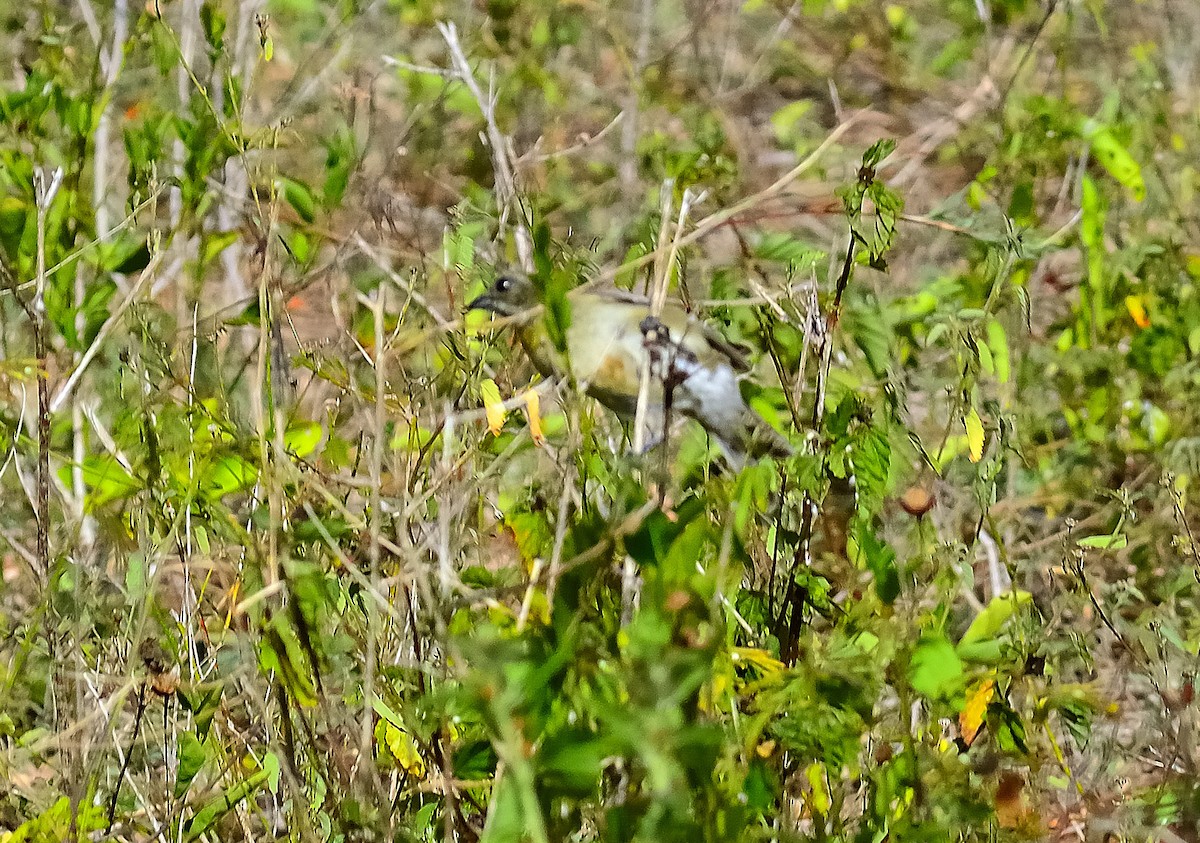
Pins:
x: 293, y: 546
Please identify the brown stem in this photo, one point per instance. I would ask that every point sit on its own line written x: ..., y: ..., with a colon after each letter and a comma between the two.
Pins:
x: 137, y: 728
x: 793, y: 602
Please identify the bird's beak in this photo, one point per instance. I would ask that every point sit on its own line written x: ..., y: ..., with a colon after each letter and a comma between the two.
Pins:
x: 481, y: 303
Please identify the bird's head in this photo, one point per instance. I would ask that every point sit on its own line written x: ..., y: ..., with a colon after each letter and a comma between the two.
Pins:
x: 510, y: 294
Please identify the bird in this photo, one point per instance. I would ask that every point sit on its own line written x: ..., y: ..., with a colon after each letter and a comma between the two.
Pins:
x: 613, y: 337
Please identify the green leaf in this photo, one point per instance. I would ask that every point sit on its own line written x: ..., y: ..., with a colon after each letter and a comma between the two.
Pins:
x: 752, y: 494
x: 1091, y: 232
x: 785, y: 121
x: 302, y: 438
x: 458, y: 245
x: 13, y: 213
x: 553, y: 282
x: 785, y: 248
x: 759, y: 787
x: 878, y: 557
x: 300, y: 197
x: 570, y: 762
x: 1008, y: 727
x: 203, y: 701
x: 421, y: 825
x: 475, y: 759
x: 1114, y: 157
x: 231, y: 474
x: 274, y: 769
x: 1116, y: 541
x: 505, y: 823
x: 191, y: 758
x: 125, y: 253
x: 984, y: 354
x: 136, y: 576
x: 935, y: 669
x: 878, y: 151
x: 411, y: 438
x: 340, y: 158
x: 872, y: 332
x: 213, y: 22
x: 206, y: 817
x: 991, y: 620
x: 679, y: 566
x: 105, y: 477
x: 997, y: 341
x: 216, y: 243
x: 201, y: 536
x: 870, y: 459
x: 531, y: 532
x: 281, y: 652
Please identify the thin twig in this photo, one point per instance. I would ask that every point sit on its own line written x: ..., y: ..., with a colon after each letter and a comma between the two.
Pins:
x: 44, y: 195
x: 398, y: 280
x: 445, y: 563
x: 137, y: 729
x: 375, y: 522
x: 506, y: 186
x: 420, y: 68
x: 111, y: 62
x: 632, y: 106
x: 560, y: 531
x: 793, y: 604
x: 585, y: 141
x: 658, y: 295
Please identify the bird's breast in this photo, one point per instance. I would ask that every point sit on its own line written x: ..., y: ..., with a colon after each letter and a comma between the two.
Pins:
x: 608, y: 359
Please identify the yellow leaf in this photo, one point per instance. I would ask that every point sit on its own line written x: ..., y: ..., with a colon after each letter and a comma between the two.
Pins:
x: 761, y: 659
x: 403, y: 749
x: 821, y: 799
x: 533, y: 410
x: 1136, y: 305
x: 971, y: 717
x: 765, y: 748
x: 1192, y: 262
x: 711, y: 701
x: 974, y: 427
x: 492, y: 406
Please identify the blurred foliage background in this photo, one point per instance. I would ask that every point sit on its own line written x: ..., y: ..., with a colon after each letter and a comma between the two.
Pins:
x: 277, y: 564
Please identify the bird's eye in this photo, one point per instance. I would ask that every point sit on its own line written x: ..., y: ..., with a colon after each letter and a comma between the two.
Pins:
x: 502, y: 284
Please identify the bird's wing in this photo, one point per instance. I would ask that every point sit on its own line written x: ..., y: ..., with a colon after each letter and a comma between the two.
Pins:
x: 738, y: 354
x: 703, y: 340
x: 696, y: 336
x: 617, y: 294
